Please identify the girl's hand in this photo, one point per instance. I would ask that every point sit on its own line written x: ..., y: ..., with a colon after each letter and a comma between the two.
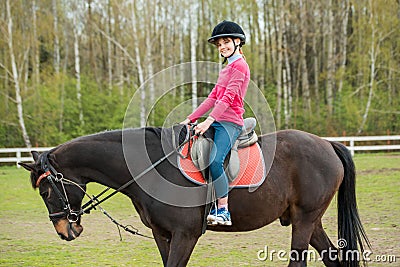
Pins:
x: 201, y: 128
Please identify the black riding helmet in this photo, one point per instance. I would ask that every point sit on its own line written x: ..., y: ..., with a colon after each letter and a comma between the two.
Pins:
x: 231, y: 30
x: 227, y: 29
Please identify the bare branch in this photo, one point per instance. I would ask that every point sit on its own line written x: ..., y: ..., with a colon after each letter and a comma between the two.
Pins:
x: 118, y: 44
x: 6, y: 69
x: 9, y: 97
x: 385, y: 111
x: 9, y: 123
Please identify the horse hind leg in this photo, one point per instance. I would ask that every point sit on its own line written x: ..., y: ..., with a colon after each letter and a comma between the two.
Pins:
x: 326, y: 249
x: 285, y: 218
x: 301, y: 235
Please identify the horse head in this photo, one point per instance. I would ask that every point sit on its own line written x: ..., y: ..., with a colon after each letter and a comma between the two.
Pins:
x: 62, y: 197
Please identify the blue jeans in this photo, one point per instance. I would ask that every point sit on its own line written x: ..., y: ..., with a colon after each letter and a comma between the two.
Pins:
x: 225, y: 136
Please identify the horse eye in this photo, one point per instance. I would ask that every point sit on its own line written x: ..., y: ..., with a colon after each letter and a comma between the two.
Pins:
x: 45, y: 194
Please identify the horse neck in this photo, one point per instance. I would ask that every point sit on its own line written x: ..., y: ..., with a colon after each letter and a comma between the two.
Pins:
x: 102, y: 158
x: 92, y: 161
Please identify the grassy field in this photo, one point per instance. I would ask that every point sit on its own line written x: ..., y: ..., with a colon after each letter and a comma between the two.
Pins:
x: 27, y: 237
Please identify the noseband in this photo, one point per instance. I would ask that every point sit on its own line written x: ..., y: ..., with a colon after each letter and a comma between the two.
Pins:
x: 55, y: 177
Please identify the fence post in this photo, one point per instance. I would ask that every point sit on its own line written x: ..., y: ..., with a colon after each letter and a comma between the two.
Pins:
x: 352, y: 147
x: 18, y: 152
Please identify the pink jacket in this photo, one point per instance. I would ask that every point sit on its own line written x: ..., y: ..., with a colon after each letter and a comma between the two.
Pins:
x: 226, y: 98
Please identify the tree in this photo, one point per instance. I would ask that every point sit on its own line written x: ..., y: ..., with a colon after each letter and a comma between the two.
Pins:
x: 76, y: 32
x: 193, y: 43
x: 330, y: 65
x: 56, y: 53
x: 279, y: 65
x: 69, y: 61
x: 15, y: 76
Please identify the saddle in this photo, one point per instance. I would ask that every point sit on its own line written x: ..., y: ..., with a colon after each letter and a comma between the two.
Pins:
x: 201, y: 148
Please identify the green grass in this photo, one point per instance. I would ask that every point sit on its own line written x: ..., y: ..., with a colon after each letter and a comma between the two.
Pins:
x: 27, y: 237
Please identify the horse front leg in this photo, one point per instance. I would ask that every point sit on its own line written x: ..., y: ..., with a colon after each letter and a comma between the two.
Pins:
x: 163, y: 244
x: 181, y: 247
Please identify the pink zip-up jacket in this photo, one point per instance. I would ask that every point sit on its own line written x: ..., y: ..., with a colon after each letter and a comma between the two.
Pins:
x: 226, y: 98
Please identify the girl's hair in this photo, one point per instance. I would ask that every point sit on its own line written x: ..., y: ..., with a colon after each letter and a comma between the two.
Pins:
x: 241, y: 52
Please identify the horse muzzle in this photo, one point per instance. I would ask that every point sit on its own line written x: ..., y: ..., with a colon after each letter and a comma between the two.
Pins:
x: 68, y: 230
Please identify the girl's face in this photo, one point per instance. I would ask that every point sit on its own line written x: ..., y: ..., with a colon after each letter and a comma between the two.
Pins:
x: 226, y: 46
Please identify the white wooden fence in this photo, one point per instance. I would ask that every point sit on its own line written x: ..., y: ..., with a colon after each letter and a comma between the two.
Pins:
x: 18, y: 152
x: 351, y: 143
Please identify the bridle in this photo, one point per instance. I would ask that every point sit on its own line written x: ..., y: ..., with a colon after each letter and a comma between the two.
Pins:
x: 53, y: 177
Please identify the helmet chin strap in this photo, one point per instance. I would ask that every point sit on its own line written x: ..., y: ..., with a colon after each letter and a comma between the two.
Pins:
x: 234, y: 51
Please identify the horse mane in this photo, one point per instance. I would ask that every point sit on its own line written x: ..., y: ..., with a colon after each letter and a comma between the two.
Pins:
x: 153, y: 133
x: 155, y: 130
x: 111, y: 136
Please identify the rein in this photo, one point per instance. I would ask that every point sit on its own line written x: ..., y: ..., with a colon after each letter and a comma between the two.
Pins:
x: 73, y: 216
x: 95, y: 201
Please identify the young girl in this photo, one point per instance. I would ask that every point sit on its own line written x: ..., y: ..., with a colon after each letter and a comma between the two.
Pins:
x: 226, y: 117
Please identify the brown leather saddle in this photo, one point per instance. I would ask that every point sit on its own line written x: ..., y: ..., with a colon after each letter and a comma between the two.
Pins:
x: 201, y: 148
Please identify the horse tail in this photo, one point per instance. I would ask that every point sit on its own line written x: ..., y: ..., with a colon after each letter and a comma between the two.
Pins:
x: 351, y: 233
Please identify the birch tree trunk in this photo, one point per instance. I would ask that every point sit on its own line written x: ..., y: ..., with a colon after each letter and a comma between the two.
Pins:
x: 77, y: 67
x: 330, y: 60
x: 109, y: 49
x: 119, y: 58
x: 139, y: 67
x: 315, y: 56
x: 343, y: 39
x: 62, y: 93
x: 149, y: 61
x: 373, y: 54
x: 272, y: 39
x: 149, y: 57
x: 89, y: 34
x: 35, y: 47
x: 287, y: 84
x: 280, y: 9
x: 18, y: 98
x: 56, y: 53
x: 286, y: 100
x: 181, y: 60
x: 193, y: 44
x: 303, y: 58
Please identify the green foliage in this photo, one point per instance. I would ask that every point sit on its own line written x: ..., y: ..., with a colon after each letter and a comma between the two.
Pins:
x: 50, y: 122
x: 107, y: 59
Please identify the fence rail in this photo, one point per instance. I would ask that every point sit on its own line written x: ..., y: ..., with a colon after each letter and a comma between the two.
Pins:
x: 18, y: 152
x: 350, y: 142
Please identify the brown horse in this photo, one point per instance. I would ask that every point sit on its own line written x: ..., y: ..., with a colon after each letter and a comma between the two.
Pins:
x: 306, y: 172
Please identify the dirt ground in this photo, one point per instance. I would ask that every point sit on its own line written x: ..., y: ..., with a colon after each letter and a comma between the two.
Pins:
x: 27, y: 238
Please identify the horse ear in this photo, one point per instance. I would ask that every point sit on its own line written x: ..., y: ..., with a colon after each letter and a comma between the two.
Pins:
x: 28, y: 166
x: 35, y: 155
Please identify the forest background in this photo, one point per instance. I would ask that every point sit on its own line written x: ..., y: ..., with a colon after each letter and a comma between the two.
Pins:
x: 71, y: 67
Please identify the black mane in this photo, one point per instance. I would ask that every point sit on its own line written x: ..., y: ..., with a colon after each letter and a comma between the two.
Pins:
x: 178, y: 131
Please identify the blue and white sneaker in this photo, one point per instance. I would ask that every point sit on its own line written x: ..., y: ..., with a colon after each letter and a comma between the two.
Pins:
x: 221, y: 217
